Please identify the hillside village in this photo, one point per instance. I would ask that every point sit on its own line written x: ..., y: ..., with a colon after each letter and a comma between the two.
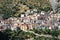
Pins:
x: 27, y: 21
x: 30, y: 19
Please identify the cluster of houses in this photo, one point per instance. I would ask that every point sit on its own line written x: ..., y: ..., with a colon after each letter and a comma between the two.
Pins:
x: 31, y: 19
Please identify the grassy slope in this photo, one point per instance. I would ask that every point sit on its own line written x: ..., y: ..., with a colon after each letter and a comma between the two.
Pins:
x: 40, y: 3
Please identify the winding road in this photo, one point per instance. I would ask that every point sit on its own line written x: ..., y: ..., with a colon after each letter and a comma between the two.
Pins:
x: 42, y: 35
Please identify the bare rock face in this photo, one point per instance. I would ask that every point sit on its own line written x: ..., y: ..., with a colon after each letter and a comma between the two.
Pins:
x: 55, y: 5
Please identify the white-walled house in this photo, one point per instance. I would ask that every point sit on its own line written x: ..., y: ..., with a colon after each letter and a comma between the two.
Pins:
x: 22, y: 15
x: 26, y: 20
x: 42, y: 13
x: 35, y: 10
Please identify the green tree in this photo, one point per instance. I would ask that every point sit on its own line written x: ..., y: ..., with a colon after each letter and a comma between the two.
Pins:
x: 55, y: 33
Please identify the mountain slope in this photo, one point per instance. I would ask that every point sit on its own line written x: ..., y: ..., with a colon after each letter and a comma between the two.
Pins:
x: 40, y: 3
